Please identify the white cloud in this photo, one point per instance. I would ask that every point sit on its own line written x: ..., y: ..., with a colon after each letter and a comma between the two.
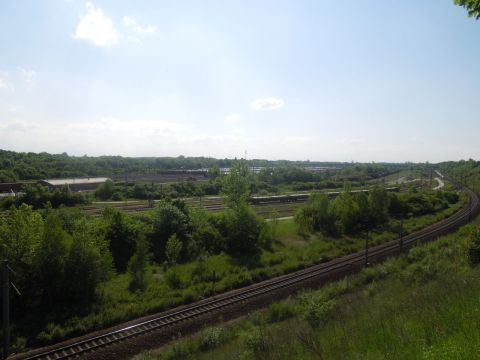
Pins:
x: 233, y: 119
x: 270, y: 103
x: 4, y: 83
x: 131, y: 23
x: 134, y: 39
x: 111, y: 125
x: 28, y: 75
x: 128, y: 21
x: 96, y: 28
x: 297, y: 139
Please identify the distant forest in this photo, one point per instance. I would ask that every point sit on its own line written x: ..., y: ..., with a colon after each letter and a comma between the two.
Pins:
x: 15, y: 166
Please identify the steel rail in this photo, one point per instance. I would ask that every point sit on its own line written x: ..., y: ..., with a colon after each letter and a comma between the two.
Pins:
x: 338, y: 265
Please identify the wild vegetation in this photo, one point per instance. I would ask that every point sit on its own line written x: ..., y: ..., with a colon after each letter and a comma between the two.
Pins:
x: 162, y: 258
x: 422, y: 305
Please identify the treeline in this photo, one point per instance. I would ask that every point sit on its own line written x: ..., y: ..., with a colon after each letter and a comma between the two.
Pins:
x: 352, y: 213
x: 40, y: 197
x: 16, y: 166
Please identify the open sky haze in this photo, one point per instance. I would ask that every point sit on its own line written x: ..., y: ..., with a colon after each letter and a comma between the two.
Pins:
x: 358, y: 80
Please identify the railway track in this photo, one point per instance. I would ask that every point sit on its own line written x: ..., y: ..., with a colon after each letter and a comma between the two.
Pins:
x: 259, y: 209
x: 337, y: 266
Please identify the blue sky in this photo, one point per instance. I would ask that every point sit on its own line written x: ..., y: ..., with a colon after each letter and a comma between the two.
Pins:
x: 358, y: 80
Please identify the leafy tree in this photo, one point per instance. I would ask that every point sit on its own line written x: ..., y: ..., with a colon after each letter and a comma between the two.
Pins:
x: 265, y: 236
x: 167, y: 221
x: 205, y: 231
x: 105, y: 191
x: 324, y: 216
x: 7, y: 176
x: 365, y: 216
x: 91, y: 233
x: 379, y: 202
x: 137, y: 265
x: 243, y: 229
x: 235, y: 186
x: 84, y: 269
x: 20, y: 234
x: 274, y: 217
x: 50, y: 263
x: 472, y: 6
x: 173, y: 249
x: 121, y: 235
x: 346, y: 210
x: 213, y: 172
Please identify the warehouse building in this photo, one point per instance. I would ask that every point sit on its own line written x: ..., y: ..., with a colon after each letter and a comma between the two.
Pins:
x: 77, y: 184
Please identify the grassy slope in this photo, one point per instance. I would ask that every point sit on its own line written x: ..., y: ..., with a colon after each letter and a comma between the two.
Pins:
x: 423, y: 305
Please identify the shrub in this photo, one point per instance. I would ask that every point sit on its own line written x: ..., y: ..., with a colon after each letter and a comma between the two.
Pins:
x: 474, y: 249
x: 256, y: 342
x: 173, y: 279
x: 316, y: 308
x: 211, y: 337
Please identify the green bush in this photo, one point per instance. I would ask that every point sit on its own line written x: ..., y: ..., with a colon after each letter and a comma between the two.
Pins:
x: 173, y: 279
x: 316, y: 308
x: 256, y: 342
x: 211, y: 338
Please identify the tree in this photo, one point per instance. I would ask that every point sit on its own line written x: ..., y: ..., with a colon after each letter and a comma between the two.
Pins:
x: 472, y: 6
x: 50, y: 262
x: 205, y: 235
x: 235, y: 186
x: 379, y: 203
x: 105, y: 191
x: 274, y: 218
x: 213, y: 173
x: 167, y: 221
x: 137, y: 266
x: 243, y: 230
x: 84, y: 269
x: 346, y: 209
x: 173, y: 249
x: 20, y: 234
x: 121, y: 235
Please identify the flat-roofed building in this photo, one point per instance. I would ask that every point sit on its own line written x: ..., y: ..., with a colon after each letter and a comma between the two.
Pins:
x: 77, y: 184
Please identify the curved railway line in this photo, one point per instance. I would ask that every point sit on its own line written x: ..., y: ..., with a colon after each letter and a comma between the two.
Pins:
x: 328, y: 270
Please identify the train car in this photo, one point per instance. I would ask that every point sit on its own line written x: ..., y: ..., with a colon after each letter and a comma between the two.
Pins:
x: 258, y: 200
x: 275, y: 199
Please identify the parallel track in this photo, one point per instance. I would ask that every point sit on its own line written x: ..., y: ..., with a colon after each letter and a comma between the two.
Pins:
x: 336, y: 266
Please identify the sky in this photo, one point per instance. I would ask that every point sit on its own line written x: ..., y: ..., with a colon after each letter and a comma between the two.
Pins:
x: 354, y: 80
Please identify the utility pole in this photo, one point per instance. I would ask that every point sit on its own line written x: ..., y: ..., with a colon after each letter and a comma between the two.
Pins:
x: 5, y: 309
x: 126, y: 191
x: 401, y: 234
x: 213, y: 282
x: 366, y: 250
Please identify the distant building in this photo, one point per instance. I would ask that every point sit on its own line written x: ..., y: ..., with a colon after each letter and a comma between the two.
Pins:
x: 78, y: 184
x: 10, y: 187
